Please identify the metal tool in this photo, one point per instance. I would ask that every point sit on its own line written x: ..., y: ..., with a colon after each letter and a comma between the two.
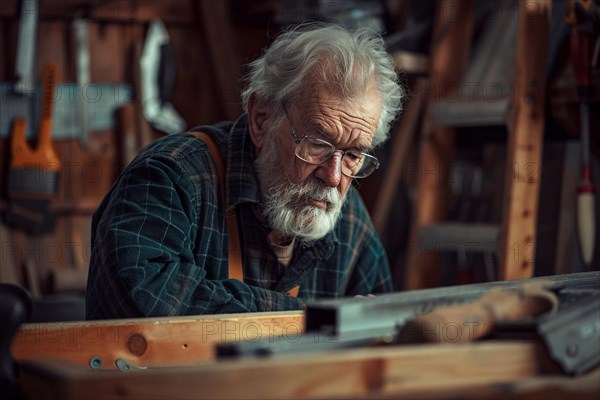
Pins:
x: 25, y: 63
x: 581, y: 48
x: 158, y: 80
x: 572, y: 321
x: 80, y: 27
x: 19, y: 98
x: 107, y: 97
x: 73, y: 117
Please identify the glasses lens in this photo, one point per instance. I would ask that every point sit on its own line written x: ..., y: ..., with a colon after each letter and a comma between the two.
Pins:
x: 353, y: 162
x: 314, y: 151
x: 358, y: 165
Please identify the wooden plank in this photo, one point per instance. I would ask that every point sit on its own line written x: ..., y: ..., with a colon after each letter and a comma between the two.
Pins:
x: 10, y: 9
x: 26, y: 259
x: 565, y: 234
x: 148, y: 342
x: 223, y: 54
x: 522, y: 180
x: 195, y: 96
x: 4, y: 65
x: 555, y: 387
x: 549, y: 206
x: 173, y: 12
x: 104, y: 40
x: 449, y: 55
x: 51, y: 49
x: 8, y: 269
x: 363, y: 373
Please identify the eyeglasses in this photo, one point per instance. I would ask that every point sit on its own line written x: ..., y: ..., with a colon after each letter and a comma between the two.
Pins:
x: 355, y: 164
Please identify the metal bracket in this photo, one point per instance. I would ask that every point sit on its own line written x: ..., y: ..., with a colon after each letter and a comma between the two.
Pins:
x: 572, y: 335
x: 126, y: 367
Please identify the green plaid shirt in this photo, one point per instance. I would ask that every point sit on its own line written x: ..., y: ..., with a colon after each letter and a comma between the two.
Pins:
x: 159, y: 239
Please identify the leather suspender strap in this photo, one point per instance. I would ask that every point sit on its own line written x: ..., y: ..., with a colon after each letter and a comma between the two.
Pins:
x: 235, y: 255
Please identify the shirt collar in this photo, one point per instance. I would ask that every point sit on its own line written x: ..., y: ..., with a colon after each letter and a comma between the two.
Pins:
x: 242, y: 186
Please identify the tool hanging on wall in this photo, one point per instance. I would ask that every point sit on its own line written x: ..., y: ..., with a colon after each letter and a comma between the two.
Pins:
x: 581, y: 47
x: 73, y: 117
x: 18, y: 98
x: 82, y: 60
x: 158, y: 70
x: 25, y: 63
x: 107, y: 97
x: 34, y: 173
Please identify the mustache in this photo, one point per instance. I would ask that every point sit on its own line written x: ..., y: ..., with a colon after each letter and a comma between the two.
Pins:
x: 310, y: 189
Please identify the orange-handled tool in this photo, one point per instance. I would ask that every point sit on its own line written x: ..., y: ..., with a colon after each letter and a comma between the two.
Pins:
x: 34, y: 173
x: 43, y: 157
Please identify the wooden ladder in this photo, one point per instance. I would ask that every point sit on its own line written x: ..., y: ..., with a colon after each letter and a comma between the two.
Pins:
x: 522, y: 111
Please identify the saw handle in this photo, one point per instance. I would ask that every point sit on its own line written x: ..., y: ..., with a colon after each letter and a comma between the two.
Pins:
x: 43, y: 156
x: 468, y: 322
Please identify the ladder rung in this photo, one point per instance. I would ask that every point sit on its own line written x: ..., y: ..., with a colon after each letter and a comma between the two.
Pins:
x: 456, y: 236
x: 465, y: 114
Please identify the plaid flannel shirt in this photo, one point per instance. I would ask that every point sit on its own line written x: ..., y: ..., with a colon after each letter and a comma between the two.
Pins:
x: 159, y: 239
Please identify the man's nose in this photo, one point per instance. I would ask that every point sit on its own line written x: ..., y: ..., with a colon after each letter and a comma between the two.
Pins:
x: 330, y: 172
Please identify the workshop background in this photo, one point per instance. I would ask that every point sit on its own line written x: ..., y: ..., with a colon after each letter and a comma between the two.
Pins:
x: 464, y: 169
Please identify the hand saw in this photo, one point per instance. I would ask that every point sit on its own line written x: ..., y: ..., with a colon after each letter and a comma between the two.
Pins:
x: 33, y: 175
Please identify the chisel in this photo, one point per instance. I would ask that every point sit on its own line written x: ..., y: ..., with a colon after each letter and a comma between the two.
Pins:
x: 581, y: 41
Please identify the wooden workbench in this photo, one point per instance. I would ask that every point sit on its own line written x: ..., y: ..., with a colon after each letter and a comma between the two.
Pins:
x: 174, y: 357
x: 482, y: 370
x: 148, y: 342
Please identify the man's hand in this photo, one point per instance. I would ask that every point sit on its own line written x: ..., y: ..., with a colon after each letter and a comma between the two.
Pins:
x: 360, y: 296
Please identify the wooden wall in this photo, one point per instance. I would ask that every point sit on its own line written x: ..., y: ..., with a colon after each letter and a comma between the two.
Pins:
x: 204, y: 35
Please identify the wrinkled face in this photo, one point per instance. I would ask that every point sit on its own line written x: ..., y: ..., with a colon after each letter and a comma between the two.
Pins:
x: 304, y: 200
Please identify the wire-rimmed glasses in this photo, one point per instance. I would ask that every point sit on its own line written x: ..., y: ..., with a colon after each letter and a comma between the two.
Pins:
x: 355, y: 164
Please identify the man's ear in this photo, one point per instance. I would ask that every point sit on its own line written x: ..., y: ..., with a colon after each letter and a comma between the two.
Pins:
x: 259, y: 120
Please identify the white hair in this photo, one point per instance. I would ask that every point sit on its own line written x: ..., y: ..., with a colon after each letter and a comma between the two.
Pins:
x: 347, y: 61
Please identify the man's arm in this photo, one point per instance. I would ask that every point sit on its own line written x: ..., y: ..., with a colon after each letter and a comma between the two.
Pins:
x: 157, y: 240
x: 372, y: 273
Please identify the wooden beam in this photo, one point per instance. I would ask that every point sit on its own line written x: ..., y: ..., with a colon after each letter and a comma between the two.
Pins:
x: 565, y: 234
x: 4, y: 65
x: 526, y: 132
x: 148, y: 342
x: 555, y: 387
x: 363, y: 373
x: 8, y: 268
x: 403, y: 137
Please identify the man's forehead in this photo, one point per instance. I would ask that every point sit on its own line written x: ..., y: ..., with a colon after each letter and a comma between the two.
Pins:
x: 326, y: 114
x: 362, y: 139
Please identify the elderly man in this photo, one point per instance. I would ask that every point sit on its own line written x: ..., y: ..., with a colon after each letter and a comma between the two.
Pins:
x: 278, y: 224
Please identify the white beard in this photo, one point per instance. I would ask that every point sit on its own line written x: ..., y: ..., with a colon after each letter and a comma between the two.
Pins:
x: 285, y: 204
